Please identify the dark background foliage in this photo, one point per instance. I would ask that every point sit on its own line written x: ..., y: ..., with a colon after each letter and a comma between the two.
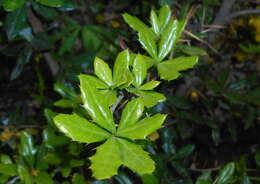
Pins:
x: 213, y: 110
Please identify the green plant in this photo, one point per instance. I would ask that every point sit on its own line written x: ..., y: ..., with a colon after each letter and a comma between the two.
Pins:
x: 130, y: 70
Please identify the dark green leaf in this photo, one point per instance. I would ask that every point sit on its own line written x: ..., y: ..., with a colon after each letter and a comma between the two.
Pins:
x: 226, y: 173
x: 51, y: 3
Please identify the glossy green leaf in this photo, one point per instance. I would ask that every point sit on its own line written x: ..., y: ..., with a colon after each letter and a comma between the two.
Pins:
x: 245, y: 180
x: 131, y: 113
x: 65, y: 90
x: 103, y: 71
x: 142, y: 128
x: 150, y: 98
x: 139, y: 70
x: 148, y: 43
x: 226, y: 173
x: 51, y: 140
x: 170, y: 70
x: 51, y: 3
x: 155, y: 22
x: 98, y: 83
x: 65, y: 103
x: 106, y: 161
x: 109, y: 95
x: 79, y: 129
x: 150, y: 85
x: 8, y: 169
x: 169, y: 37
x: 257, y: 159
x: 135, y: 158
x: 93, y: 101
x: 15, y: 22
x: 120, y: 67
x: 11, y: 5
x: 24, y: 174
x: 184, y: 152
x: 43, y: 178
x: 164, y: 17
x: 27, y: 149
x: 134, y: 22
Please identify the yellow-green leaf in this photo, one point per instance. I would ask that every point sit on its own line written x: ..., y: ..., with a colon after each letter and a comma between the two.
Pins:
x: 120, y: 68
x: 169, y: 37
x: 164, y: 17
x: 150, y: 85
x: 142, y: 128
x: 79, y: 129
x: 170, y: 70
x: 148, y: 43
x: 103, y: 71
x: 155, y: 22
x: 135, y: 158
x: 131, y: 113
x: 106, y: 161
x: 95, y: 104
x: 139, y: 70
x: 134, y: 22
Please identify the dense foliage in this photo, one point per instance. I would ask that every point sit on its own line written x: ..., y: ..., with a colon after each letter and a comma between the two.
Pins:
x: 57, y: 56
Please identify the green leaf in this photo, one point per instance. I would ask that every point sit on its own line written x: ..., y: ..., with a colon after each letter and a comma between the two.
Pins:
x: 150, y: 98
x: 257, y: 159
x: 98, y: 83
x: 79, y: 129
x: 191, y: 50
x: 65, y: 90
x: 170, y: 70
x: 97, y: 108
x: 120, y: 67
x: 51, y: 140
x: 15, y: 22
x: 169, y: 37
x: 27, y: 149
x: 139, y: 70
x: 142, y: 128
x: 103, y: 71
x: 109, y: 95
x: 51, y: 3
x: 148, y: 43
x: 78, y: 179
x: 106, y: 161
x: 68, y: 42
x: 131, y: 113
x: 92, y: 43
x: 149, y: 179
x: 226, y: 173
x: 24, y: 174
x: 11, y: 5
x: 135, y: 158
x: 184, y: 152
x: 150, y: 85
x: 155, y: 22
x: 164, y: 17
x: 65, y: 103
x: 8, y: 169
x: 43, y: 178
x: 23, y: 58
x: 134, y: 22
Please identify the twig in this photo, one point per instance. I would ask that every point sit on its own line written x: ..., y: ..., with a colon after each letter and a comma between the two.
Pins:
x: 202, y: 41
x: 37, y: 28
x: 113, y: 108
x: 240, y: 13
x: 193, y: 168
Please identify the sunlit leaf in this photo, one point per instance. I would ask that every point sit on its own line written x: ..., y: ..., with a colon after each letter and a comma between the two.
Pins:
x: 103, y: 71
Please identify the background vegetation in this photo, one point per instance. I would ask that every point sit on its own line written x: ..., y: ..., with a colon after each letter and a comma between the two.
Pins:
x: 212, y: 131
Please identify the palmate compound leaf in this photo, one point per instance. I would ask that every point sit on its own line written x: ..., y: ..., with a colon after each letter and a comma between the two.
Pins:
x: 116, y: 150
